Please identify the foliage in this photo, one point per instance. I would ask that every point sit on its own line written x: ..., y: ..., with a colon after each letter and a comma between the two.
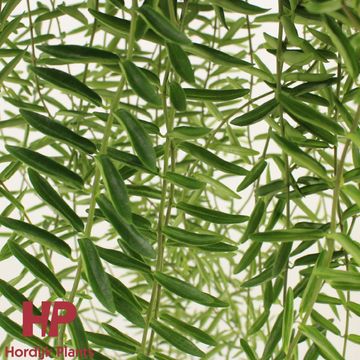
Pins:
x: 184, y: 176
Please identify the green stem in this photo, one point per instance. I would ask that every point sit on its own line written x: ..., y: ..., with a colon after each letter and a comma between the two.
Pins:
x: 333, y: 226
x: 96, y: 183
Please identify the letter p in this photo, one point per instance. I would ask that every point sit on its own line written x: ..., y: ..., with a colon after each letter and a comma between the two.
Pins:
x: 58, y: 319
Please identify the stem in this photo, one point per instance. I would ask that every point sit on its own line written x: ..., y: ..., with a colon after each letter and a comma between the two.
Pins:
x: 33, y: 57
x: 333, y: 226
x: 96, y: 183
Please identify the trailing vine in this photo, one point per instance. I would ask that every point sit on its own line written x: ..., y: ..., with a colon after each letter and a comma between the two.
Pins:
x: 185, y: 173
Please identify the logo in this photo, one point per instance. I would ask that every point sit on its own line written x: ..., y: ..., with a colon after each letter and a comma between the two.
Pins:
x: 63, y: 313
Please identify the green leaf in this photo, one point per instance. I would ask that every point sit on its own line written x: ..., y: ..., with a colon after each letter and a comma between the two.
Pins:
x: 145, y: 191
x: 248, y: 350
x: 350, y: 246
x: 189, y: 330
x: 300, y: 157
x: 184, y: 181
x: 120, y: 259
x: 7, y: 10
x: 129, y: 311
x: 95, y: 273
x: 298, y: 110
x: 129, y: 159
x: 78, y: 336
x: 58, y: 131
x: 343, y: 45
x: 162, y: 26
x: 258, y: 323
x: 354, y: 338
x: 128, y: 232
x: 214, y: 216
x: 115, y: 187
x: 217, y: 56
x: 273, y: 338
x: 282, y: 258
x: 176, y: 339
x: 343, y: 280
x: 140, y: 83
x: 288, y: 235
x: 217, y: 187
x: 191, y: 238
x: 248, y: 257
x: 313, y: 286
x: 187, y: 291
x: 68, y: 83
x: 256, y: 115
x: 254, y: 220
x: 74, y: 12
x: 288, y: 320
x: 49, y: 195
x: 214, y: 95
x: 180, y: 62
x: 140, y: 140
x: 9, y: 67
x: 325, y: 323
x: 325, y: 346
x: 188, y: 132
x: 108, y: 342
x: 177, y: 96
x: 239, y: 6
x: 124, y: 293
x: 323, y: 7
x: 259, y: 279
x: 37, y: 234
x: 117, y: 25
x: 45, y: 165
x: 309, y: 77
x: 211, y: 159
x: 253, y: 175
x: 219, y: 247
x: 8, y: 29
x: 37, y: 268
x: 80, y: 54
x: 354, y: 307
x: 353, y: 193
x: 15, y: 297
x: 112, y: 331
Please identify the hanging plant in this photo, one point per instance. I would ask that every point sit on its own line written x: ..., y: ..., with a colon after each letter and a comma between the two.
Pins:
x: 182, y: 177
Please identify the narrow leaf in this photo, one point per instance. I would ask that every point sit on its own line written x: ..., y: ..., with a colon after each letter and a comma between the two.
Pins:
x: 49, y: 195
x: 37, y: 268
x: 58, y: 131
x: 68, y: 83
x: 214, y: 216
x: 45, y: 165
x: 140, y: 140
x: 95, y: 273
x: 187, y: 291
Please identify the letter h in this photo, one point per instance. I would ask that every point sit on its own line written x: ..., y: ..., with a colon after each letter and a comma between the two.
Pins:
x: 29, y: 319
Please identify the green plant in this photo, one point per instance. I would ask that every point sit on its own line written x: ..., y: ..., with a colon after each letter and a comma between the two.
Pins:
x: 159, y: 170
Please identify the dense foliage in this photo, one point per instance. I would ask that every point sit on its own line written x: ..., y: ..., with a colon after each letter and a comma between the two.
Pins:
x: 185, y: 172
